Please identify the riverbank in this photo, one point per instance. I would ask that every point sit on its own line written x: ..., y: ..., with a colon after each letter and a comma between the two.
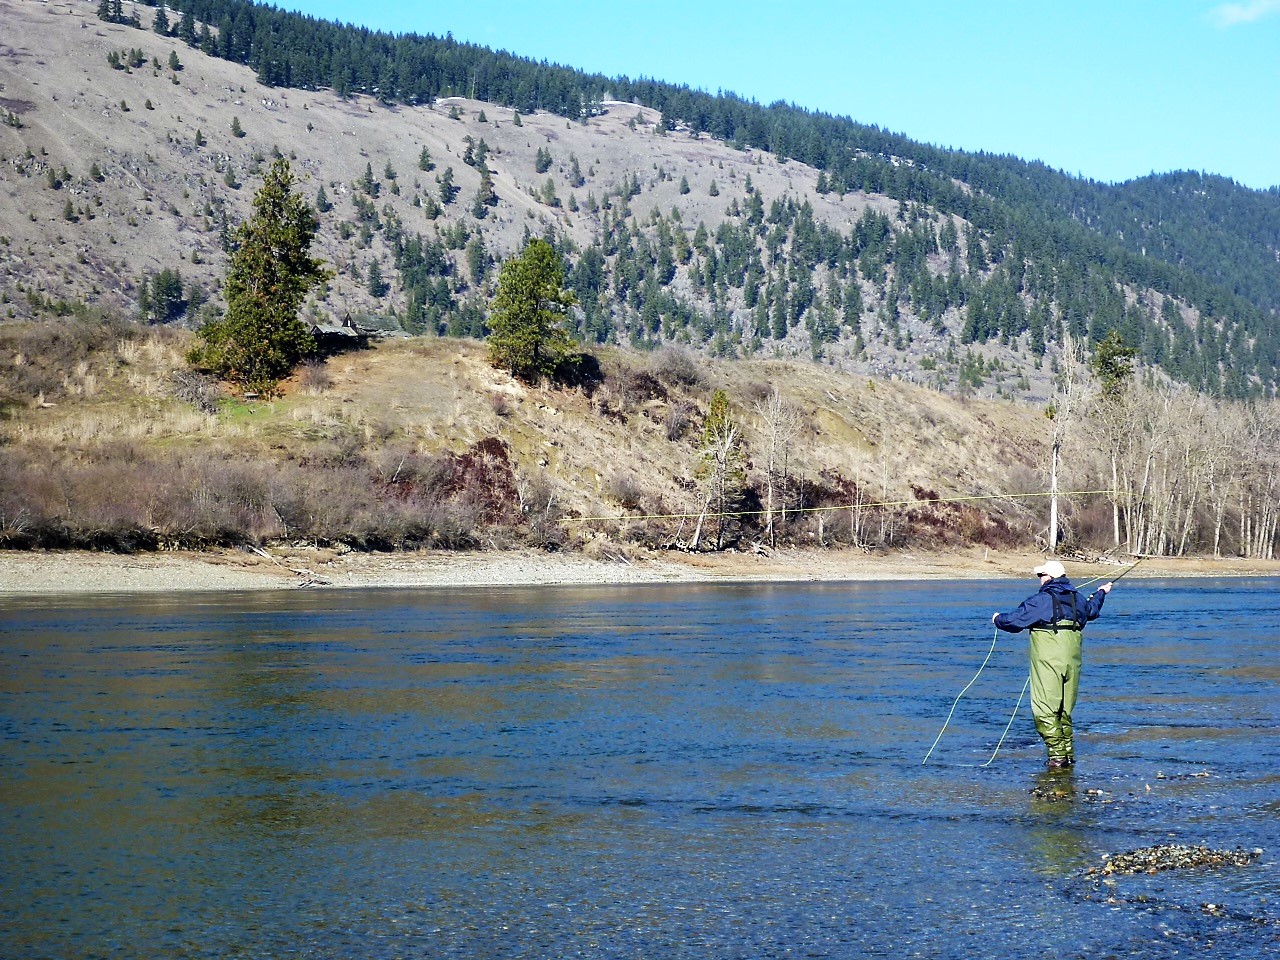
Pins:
x: 77, y: 572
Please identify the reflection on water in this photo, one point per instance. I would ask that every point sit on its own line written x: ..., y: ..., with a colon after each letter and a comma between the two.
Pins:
x: 626, y: 772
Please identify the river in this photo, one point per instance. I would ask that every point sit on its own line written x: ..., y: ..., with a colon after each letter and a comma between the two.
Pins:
x: 635, y: 772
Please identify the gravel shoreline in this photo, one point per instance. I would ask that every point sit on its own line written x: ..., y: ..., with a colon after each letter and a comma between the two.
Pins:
x: 76, y: 572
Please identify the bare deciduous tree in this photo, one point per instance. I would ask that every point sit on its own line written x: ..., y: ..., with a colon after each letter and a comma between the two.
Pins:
x: 720, y: 468
x: 781, y: 422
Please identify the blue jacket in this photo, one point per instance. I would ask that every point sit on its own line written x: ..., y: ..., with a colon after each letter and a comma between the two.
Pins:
x: 1038, y: 610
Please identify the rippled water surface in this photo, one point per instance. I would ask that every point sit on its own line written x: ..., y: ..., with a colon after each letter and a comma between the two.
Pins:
x: 641, y: 772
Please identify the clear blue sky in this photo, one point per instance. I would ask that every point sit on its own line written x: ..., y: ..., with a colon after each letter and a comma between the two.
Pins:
x: 1107, y: 89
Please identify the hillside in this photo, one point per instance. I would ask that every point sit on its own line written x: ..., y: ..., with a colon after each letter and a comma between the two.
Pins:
x: 123, y: 166
x: 908, y: 324
x: 422, y: 443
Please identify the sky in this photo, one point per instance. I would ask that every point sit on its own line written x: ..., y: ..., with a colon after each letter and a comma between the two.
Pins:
x: 1109, y: 90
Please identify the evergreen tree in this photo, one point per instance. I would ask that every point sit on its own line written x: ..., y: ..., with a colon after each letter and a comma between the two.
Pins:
x: 161, y: 22
x: 528, y: 336
x: 486, y: 195
x: 477, y: 260
x: 447, y: 190
x: 236, y: 130
x: 270, y: 272
x: 376, y: 285
x: 161, y: 297
x: 1112, y: 364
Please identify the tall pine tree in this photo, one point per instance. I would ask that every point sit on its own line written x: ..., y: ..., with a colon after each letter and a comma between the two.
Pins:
x: 260, y: 338
x: 528, y: 335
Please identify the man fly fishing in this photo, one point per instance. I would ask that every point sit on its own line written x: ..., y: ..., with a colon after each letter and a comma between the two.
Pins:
x: 1056, y: 616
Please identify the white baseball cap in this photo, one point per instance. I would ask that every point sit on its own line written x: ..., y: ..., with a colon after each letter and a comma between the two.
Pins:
x: 1050, y: 568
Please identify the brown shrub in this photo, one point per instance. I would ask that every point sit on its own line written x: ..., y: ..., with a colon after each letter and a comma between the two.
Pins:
x: 314, y: 378
x: 680, y: 414
x: 500, y: 403
x: 757, y: 392
x: 634, y: 387
x: 126, y: 498
x: 624, y: 489
x: 197, y: 389
x: 675, y: 366
x: 35, y: 357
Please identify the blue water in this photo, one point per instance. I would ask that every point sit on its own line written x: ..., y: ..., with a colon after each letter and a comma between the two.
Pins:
x: 639, y: 772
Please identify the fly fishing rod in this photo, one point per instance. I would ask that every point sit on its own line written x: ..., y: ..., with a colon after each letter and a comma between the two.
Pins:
x: 1123, y: 573
x: 1016, y: 707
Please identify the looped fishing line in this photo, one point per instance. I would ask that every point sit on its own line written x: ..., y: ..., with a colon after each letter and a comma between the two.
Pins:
x: 995, y: 636
x: 1010, y: 723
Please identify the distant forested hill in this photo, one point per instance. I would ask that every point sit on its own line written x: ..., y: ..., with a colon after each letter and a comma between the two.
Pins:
x: 1203, y: 240
x: 982, y: 249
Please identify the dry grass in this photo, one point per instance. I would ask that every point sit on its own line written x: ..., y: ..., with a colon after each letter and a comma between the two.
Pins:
x: 422, y: 441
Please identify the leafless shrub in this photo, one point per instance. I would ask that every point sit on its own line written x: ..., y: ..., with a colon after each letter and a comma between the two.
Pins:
x: 126, y: 498
x: 314, y: 378
x: 608, y: 403
x: 536, y: 493
x: 500, y: 404
x: 624, y: 489
x: 47, y: 359
x: 212, y: 499
x: 24, y: 383
x: 197, y: 389
x: 676, y: 366
x: 451, y: 526
x: 22, y: 498
x: 680, y: 414
x: 378, y: 430
x: 634, y: 387
x: 757, y: 392
x: 1093, y: 522
x: 542, y: 517
x: 324, y: 504
x: 345, y: 448
x: 481, y: 478
x: 655, y: 534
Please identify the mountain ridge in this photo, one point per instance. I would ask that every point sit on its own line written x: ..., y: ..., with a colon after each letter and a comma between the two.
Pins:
x: 127, y: 159
x: 893, y: 297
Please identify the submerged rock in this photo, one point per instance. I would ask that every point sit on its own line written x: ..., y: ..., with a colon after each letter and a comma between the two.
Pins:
x: 1174, y: 856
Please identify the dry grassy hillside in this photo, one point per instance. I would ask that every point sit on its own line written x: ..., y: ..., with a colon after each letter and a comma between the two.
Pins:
x: 111, y: 175
x: 150, y: 210
x: 106, y: 441
x: 108, y: 176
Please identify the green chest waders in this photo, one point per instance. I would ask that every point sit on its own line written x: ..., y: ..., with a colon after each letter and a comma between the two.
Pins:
x: 1055, y: 681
